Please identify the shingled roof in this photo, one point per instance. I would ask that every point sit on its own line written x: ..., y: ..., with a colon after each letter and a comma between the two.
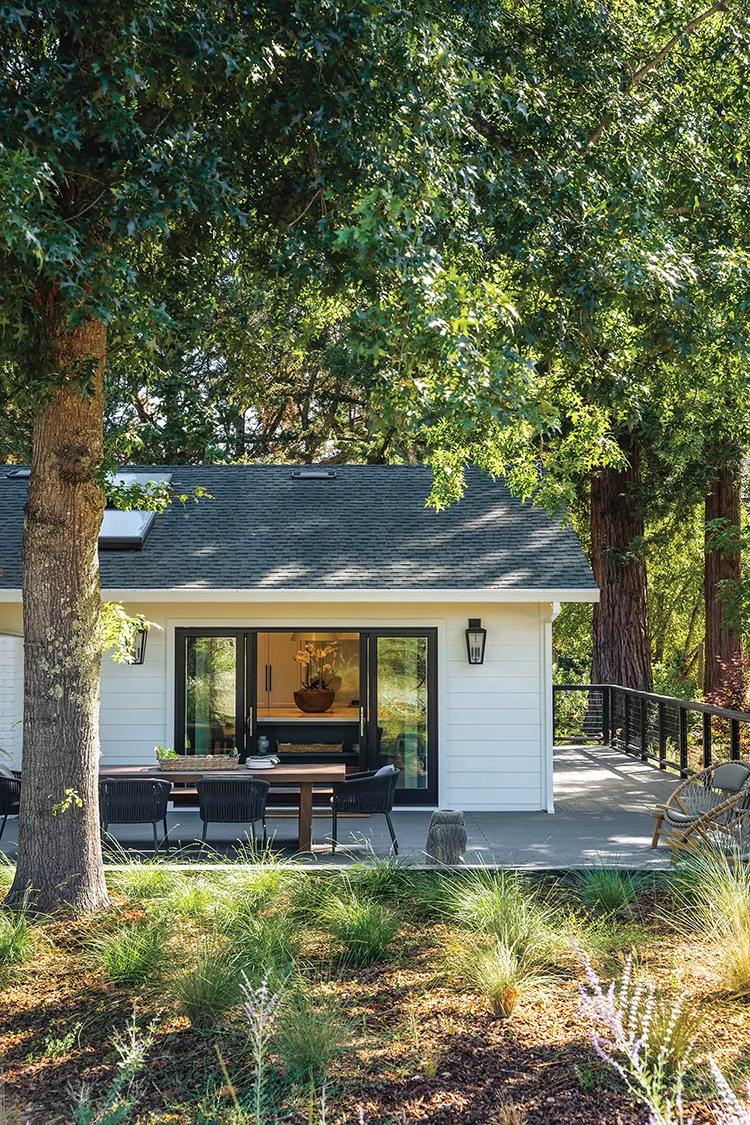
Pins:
x: 366, y: 529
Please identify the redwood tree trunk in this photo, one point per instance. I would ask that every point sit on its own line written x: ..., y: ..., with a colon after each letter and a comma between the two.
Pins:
x: 622, y: 653
x: 722, y: 643
x: 59, y: 850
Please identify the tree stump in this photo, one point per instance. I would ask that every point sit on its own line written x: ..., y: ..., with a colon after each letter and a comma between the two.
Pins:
x: 446, y: 838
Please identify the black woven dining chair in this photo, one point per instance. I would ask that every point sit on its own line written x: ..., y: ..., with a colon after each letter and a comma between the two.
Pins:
x: 236, y: 800
x: 134, y: 800
x: 372, y: 791
x: 10, y: 795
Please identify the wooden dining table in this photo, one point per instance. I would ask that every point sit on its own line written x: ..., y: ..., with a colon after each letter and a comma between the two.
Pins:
x: 305, y: 775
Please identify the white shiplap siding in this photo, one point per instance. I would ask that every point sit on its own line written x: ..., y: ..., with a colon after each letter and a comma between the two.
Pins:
x: 491, y: 723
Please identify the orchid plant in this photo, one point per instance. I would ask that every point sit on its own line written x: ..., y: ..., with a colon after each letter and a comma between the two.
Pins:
x: 319, y: 661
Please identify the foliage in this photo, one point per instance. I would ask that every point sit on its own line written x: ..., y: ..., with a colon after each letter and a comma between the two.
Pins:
x: 16, y: 942
x: 320, y: 660
x: 142, y: 880
x: 310, y: 1035
x: 267, y: 945
x: 210, y: 983
x: 733, y: 691
x: 132, y: 954
x: 609, y: 888
x: 500, y: 972
x: 364, y: 927
x: 119, y: 1102
x: 120, y: 629
x: 502, y: 904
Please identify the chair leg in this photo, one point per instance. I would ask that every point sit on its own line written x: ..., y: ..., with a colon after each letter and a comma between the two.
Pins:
x: 264, y: 835
x: 2, y: 828
x: 657, y: 831
x: 394, y: 841
x: 166, y: 833
x: 205, y: 826
x: 156, y: 838
x: 334, y: 832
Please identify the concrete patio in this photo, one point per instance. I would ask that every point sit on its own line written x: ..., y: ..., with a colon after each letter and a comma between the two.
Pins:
x: 603, y: 800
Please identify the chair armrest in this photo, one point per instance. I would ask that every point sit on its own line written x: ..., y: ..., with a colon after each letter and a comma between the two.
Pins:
x: 357, y: 776
x: 16, y: 774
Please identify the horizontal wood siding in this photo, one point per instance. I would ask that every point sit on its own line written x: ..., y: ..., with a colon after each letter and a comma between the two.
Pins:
x: 490, y: 716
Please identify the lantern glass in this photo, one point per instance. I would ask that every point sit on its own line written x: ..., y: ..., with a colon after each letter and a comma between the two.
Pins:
x: 138, y: 651
x: 476, y: 638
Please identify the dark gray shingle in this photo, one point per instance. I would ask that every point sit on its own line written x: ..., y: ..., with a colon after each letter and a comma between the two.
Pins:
x: 367, y: 529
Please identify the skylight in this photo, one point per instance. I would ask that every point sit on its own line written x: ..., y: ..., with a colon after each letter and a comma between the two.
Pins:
x: 314, y: 474
x: 128, y: 531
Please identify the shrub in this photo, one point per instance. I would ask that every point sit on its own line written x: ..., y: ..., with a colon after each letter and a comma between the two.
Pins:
x: 712, y: 895
x: 16, y: 942
x: 132, y: 954
x: 143, y: 881
x: 498, y: 972
x: 501, y: 903
x: 363, y: 927
x: 609, y: 888
x: 267, y: 945
x: 309, y: 1036
x: 210, y: 985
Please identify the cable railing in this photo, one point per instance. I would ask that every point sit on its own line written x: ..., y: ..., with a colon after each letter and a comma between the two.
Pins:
x: 673, y: 733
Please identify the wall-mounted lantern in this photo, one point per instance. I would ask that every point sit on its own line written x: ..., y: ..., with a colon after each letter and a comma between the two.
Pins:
x: 476, y: 638
x: 138, y: 651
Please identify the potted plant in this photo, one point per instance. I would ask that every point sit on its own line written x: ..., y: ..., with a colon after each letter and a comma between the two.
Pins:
x: 318, y: 664
x: 168, y: 760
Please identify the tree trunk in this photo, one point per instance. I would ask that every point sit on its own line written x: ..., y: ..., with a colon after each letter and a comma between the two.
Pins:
x: 622, y: 653
x: 59, y: 849
x: 722, y: 643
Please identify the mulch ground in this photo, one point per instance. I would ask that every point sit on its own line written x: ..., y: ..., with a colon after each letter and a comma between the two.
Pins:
x: 421, y: 1049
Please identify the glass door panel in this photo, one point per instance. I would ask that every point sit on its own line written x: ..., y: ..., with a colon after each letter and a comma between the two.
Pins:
x: 402, y: 712
x: 211, y: 695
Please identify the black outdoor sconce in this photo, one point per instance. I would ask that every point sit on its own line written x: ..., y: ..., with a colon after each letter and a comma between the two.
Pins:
x: 476, y: 638
x: 138, y: 651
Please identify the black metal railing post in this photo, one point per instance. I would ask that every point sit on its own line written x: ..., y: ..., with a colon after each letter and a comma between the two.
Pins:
x: 734, y: 739
x: 706, y: 739
x: 626, y: 732
x: 606, y: 709
x: 644, y: 730
x: 683, y: 741
x: 662, y: 737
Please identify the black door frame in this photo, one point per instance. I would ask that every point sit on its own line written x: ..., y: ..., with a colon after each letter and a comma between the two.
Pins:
x: 429, y: 795
x: 246, y: 704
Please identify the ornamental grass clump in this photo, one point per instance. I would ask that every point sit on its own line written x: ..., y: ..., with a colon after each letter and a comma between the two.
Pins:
x: 143, y: 881
x: 260, y: 888
x: 363, y: 927
x: 502, y: 904
x: 132, y: 954
x: 498, y: 972
x: 386, y: 878
x: 268, y: 945
x: 310, y: 1035
x: 712, y: 896
x: 16, y: 943
x: 211, y: 983
x: 609, y: 889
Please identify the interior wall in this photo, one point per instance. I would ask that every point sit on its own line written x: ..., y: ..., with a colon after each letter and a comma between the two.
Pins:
x: 492, y: 723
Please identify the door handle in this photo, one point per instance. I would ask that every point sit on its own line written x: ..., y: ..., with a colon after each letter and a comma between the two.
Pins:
x: 249, y: 722
x: 266, y: 679
x: 270, y: 677
x: 361, y: 722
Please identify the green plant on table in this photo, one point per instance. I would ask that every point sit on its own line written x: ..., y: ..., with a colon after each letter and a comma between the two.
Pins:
x: 132, y: 954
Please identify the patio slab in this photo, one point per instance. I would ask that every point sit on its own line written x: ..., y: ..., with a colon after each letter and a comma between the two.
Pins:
x: 602, y: 797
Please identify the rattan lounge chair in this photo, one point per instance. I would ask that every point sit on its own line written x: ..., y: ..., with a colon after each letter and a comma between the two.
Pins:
x: 10, y: 795
x: 370, y: 792
x: 134, y: 800
x: 704, y: 804
x: 235, y: 800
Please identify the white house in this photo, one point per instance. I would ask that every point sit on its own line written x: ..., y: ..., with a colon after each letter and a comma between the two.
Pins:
x: 281, y: 559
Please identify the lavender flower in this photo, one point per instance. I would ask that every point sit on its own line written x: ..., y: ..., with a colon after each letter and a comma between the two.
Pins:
x: 732, y: 1111
x: 261, y: 1007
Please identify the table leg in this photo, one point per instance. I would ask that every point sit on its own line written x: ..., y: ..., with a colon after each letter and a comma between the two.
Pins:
x: 305, y: 816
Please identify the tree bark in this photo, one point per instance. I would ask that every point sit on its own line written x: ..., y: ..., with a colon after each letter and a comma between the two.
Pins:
x: 59, y: 850
x: 621, y: 648
x: 722, y: 643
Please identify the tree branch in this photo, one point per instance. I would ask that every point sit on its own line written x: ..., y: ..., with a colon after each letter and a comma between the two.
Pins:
x: 640, y: 74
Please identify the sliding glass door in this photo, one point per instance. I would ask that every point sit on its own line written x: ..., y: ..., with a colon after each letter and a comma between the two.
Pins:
x: 402, y: 710
x: 384, y: 708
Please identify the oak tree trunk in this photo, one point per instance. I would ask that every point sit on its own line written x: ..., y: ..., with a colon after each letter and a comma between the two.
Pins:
x: 59, y: 849
x: 621, y: 648
x: 722, y: 643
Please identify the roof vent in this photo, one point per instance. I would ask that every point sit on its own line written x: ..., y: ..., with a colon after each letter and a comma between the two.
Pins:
x: 18, y: 474
x: 314, y: 474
